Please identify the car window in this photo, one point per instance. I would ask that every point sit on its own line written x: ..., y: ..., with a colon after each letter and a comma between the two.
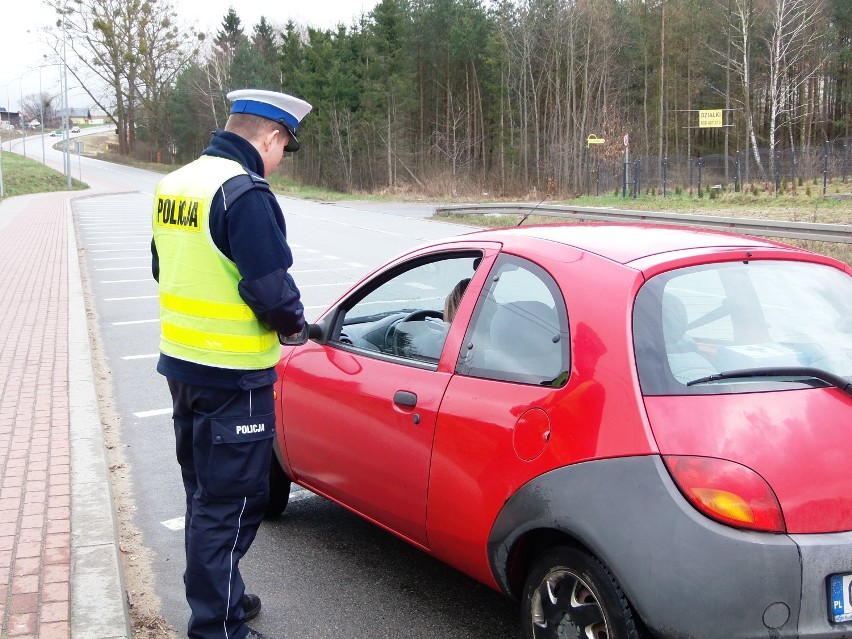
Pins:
x: 519, y: 330
x: 701, y: 321
x: 401, y: 314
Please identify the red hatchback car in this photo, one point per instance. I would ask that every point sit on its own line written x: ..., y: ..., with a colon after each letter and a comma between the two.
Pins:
x: 635, y: 431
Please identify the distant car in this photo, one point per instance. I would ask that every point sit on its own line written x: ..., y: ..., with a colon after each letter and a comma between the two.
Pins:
x: 56, y: 134
x: 75, y: 129
x: 633, y: 431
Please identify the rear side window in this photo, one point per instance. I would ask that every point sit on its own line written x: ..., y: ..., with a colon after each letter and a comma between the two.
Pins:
x: 519, y: 330
x: 697, y: 322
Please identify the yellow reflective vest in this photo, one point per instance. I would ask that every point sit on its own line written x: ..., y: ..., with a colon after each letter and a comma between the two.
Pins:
x: 203, y: 319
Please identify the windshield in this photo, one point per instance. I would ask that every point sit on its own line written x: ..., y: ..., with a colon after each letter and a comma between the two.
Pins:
x: 701, y: 321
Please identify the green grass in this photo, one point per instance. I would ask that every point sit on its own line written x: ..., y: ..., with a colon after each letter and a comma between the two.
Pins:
x: 22, y: 176
x: 290, y: 187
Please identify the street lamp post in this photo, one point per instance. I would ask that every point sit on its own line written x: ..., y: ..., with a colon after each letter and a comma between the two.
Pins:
x: 21, y: 123
x: 65, y: 100
x: 41, y: 113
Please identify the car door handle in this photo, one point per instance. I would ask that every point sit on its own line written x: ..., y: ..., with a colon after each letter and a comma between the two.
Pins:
x: 405, y: 398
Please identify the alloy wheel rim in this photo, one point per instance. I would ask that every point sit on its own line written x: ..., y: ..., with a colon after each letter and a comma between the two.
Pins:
x: 565, y: 607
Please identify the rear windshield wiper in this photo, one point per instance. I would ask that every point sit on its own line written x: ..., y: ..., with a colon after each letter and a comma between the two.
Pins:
x: 780, y: 371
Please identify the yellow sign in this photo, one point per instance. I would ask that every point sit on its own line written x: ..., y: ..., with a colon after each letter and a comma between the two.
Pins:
x: 593, y: 139
x: 710, y: 119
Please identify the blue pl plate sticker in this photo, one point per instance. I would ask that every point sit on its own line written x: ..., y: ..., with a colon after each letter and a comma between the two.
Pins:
x: 840, y: 605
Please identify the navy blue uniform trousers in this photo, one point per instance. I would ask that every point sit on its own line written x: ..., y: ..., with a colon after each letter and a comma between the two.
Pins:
x: 224, y: 447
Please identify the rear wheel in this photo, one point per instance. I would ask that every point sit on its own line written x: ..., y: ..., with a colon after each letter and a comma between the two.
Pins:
x: 279, y: 490
x: 571, y: 595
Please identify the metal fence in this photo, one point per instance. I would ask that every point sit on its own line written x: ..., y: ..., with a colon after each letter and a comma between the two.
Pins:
x: 808, y: 167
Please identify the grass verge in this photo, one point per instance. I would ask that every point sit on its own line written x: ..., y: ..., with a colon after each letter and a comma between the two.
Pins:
x: 22, y: 176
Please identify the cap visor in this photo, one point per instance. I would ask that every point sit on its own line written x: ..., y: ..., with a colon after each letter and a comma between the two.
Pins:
x: 293, y: 145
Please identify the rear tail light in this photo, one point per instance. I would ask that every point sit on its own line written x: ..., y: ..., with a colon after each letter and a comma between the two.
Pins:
x: 728, y: 492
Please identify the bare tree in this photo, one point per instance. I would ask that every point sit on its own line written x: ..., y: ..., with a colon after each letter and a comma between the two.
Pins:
x: 742, y: 16
x: 791, y: 39
x: 113, y: 43
x: 38, y: 106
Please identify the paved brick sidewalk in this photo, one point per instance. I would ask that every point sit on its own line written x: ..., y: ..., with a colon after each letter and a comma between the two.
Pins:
x: 35, y: 493
x: 36, y: 410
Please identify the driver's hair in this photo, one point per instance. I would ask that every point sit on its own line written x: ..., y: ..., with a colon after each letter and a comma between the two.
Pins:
x: 451, y: 304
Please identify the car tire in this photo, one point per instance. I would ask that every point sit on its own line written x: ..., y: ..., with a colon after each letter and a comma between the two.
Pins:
x: 569, y: 593
x: 279, y: 490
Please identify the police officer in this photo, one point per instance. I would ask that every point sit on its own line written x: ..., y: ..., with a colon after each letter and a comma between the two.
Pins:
x: 221, y: 258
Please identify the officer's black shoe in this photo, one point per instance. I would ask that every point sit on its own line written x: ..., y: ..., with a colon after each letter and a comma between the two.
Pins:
x: 254, y: 634
x: 251, y: 606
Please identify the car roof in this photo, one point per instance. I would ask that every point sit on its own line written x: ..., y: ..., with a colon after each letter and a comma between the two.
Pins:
x: 626, y: 243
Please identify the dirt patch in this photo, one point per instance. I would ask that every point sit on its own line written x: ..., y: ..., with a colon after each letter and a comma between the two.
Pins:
x: 144, y: 605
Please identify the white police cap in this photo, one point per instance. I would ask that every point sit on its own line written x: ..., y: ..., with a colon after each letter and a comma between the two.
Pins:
x: 280, y: 107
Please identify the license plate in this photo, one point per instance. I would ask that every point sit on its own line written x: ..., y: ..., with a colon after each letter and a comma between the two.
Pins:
x: 840, y: 603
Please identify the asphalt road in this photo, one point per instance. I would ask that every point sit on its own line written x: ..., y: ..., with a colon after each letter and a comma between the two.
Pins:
x: 321, y: 571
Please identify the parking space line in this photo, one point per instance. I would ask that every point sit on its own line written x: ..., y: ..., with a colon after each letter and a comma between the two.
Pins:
x: 322, y: 270
x: 147, y: 321
x: 121, y: 244
x: 125, y: 268
x: 301, y: 494
x: 153, y: 413
x: 176, y: 524
x: 303, y: 286
x: 146, y: 279
x: 297, y: 493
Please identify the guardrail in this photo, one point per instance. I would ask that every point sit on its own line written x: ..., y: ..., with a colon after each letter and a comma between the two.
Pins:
x: 766, y: 228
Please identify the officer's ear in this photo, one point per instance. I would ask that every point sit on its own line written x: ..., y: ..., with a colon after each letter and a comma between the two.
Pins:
x: 269, y: 139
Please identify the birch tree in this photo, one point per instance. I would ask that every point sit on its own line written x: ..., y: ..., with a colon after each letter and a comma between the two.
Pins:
x: 791, y: 39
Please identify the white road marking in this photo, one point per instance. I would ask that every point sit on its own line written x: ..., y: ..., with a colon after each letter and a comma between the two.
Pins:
x: 302, y: 286
x: 148, y: 321
x: 301, y: 494
x: 153, y: 413
x: 125, y: 268
x: 321, y: 270
x: 296, y: 494
x: 120, y: 244
x: 148, y: 356
x: 176, y: 524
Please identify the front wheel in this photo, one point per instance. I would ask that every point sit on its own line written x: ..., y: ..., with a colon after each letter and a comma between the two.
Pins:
x: 279, y: 490
x: 571, y: 595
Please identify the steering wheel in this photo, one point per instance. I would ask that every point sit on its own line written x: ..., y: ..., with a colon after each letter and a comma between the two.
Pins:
x: 416, y: 316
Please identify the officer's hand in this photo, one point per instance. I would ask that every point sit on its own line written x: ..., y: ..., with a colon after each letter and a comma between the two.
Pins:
x: 296, y: 338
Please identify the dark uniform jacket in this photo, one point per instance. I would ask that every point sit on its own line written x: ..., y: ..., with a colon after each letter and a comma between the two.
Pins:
x: 247, y: 225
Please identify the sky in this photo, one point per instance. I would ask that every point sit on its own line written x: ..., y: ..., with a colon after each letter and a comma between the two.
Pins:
x: 23, y: 47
